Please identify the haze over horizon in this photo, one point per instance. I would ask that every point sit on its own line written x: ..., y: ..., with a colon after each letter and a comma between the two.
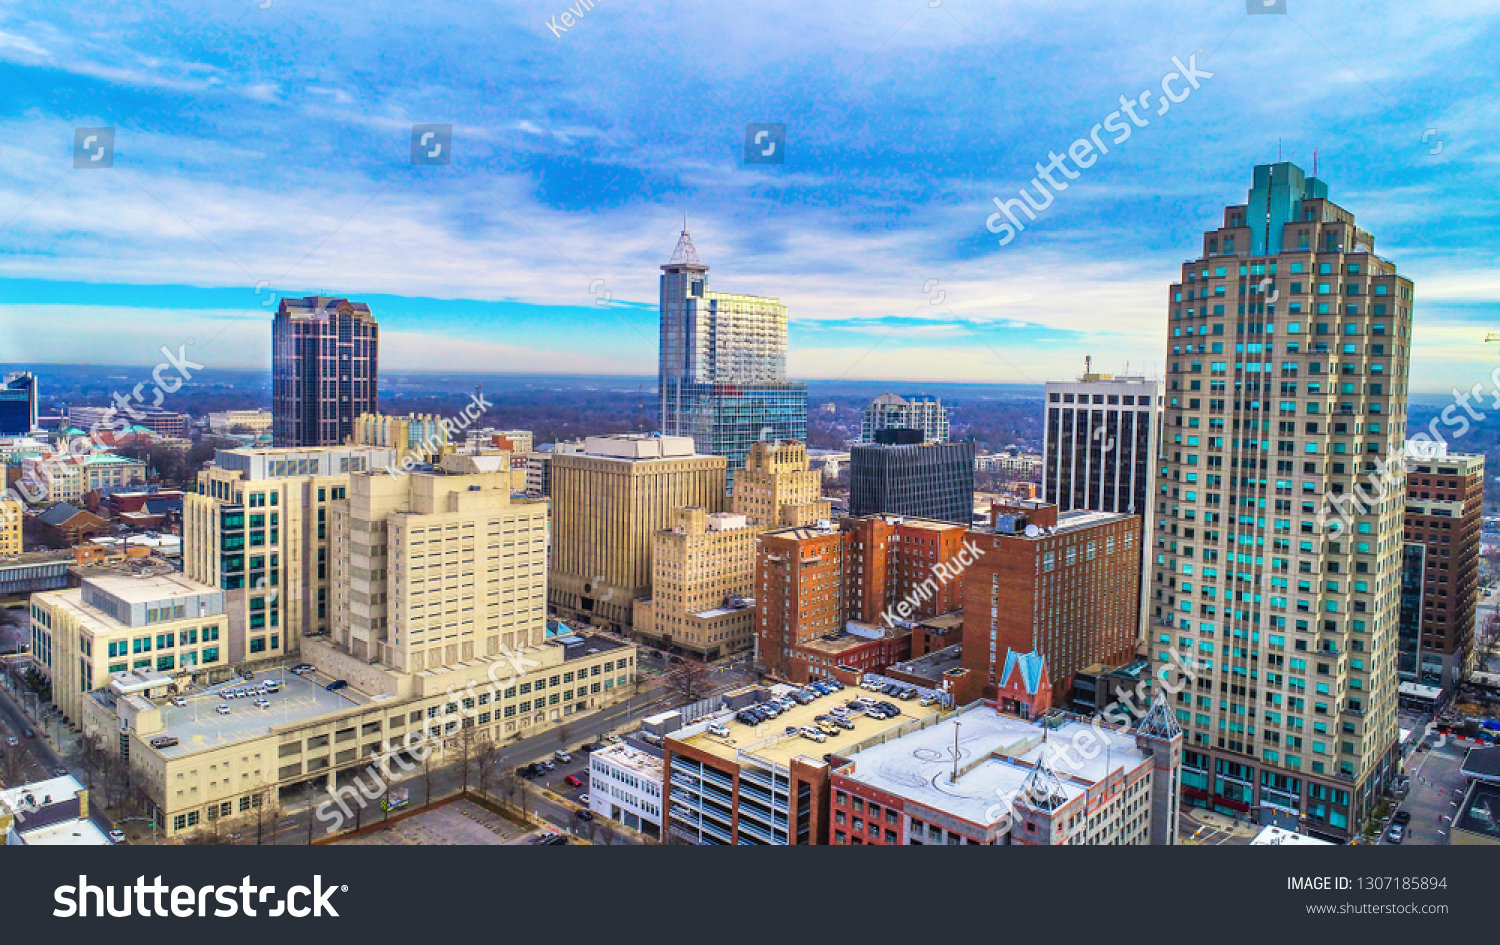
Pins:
x: 261, y: 151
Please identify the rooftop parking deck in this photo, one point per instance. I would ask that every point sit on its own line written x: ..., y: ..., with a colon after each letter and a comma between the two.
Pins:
x: 770, y: 742
x: 198, y: 725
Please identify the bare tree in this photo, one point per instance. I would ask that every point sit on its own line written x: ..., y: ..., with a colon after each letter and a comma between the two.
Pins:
x: 691, y: 681
x: 606, y: 830
x: 465, y: 746
x: 487, y: 764
x: 12, y: 767
x: 513, y: 786
x: 265, y: 810
x: 429, y: 768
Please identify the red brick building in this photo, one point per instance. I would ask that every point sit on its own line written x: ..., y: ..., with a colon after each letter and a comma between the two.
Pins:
x: 1065, y: 586
x: 1440, y: 586
x: 851, y: 594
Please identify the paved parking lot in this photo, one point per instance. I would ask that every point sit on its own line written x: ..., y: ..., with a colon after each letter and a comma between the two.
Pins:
x: 460, y: 823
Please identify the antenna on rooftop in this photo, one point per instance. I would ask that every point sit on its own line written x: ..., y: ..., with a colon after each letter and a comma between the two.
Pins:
x: 954, y: 779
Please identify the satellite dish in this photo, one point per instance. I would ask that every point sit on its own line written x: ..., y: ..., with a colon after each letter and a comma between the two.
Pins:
x: 1032, y: 531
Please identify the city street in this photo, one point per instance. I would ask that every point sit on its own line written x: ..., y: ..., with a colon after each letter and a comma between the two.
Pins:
x: 1436, y: 789
x: 299, y: 812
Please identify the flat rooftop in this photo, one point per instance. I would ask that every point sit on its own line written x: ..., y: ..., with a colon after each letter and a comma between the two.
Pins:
x: 147, y: 587
x: 996, y: 753
x: 769, y: 741
x: 932, y: 666
x: 1480, y: 811
x: 1280, y: 837
x: 198, y: 725
x: 42, y: 793
x: 630, y: 758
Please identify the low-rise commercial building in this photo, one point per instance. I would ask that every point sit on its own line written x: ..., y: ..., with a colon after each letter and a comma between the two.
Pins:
x: 117, y: 621
x: 977, y: 776
x: 49, y: 813
x: 625, y: 785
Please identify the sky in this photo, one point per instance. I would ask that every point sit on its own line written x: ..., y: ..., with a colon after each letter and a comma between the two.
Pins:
x: 264, y: 147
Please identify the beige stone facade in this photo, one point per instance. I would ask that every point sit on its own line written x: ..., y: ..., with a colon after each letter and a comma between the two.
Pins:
x: 432, y: 569
x: 777, y: 489
x: 11, y: 514
x: 703, y: 579
x: 608, y: 504
x: 258, y: 527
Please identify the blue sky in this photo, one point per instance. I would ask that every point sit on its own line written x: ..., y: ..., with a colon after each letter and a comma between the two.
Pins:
x: 268, y: 150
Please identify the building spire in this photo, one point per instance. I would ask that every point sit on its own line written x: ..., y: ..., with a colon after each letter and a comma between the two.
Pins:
x: 685, y: 254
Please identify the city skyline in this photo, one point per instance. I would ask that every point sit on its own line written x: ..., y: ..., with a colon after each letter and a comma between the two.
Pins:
x: 556, y: 202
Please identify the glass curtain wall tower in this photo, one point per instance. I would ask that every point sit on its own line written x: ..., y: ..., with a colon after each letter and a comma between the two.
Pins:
x: 723, y: 365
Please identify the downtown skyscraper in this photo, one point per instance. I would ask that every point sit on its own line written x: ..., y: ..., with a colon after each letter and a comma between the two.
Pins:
x: 723, y: 365
x: 325, y: 368
x: 1274, y: 624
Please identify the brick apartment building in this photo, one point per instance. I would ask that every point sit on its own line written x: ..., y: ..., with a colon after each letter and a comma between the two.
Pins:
x: 851, y: 594
x: 1066, y: 586
x: 1440, y: 583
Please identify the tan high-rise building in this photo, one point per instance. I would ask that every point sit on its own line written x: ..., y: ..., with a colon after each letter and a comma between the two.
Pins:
x: 703, y: 576
x: 10, y: 526
x: 258, y: 529
x: 1287, y: 359
x: 418, y: 435
x: 703, y: 569
x: 608, y: 503
x: 434, y: 568
x: 777, y: 489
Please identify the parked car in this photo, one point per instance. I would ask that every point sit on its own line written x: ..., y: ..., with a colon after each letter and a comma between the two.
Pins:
x: 907, y: 695
x: 179, y: 701
x: 814, y: 734
x: 163, y: 741
x: 584, y: 799
x: 928, y: 700
x: 58, y: 771
x: 117, y: 836
x: 272, y: 685
x: 337, y: 684
x: 573, y: 780
x: 1397, y: 833
x: 828, y: 728
x: 547, y: 765
x: 842, y: 722
x: 262, y: 703
x: 222, y: 709
x: 719, y: 730
x: 563, y: 755
x: 1402, y: 817
x: 12, y: 741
